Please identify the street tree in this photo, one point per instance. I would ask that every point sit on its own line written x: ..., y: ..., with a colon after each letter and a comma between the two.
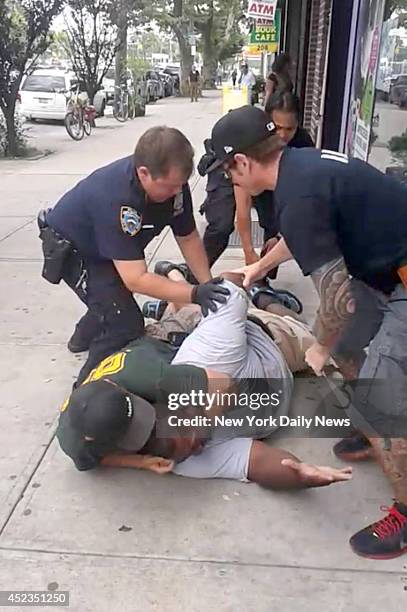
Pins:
x: 215, y: 22
x: 24, y: 36
x: 221, y: 36
x: 177, y: 16
x: 125, y: 14
x: 91, y: 41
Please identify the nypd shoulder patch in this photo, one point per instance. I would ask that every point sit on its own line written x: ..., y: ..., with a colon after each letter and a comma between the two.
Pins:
x: 131, y: 220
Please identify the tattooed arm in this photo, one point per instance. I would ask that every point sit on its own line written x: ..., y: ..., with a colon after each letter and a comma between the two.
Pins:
x: 336, y: 303
x: 336, y: 307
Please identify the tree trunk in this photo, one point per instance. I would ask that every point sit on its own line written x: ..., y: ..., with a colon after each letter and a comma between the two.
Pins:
x: 12, y: 143
x: 186, y: 61
x: 181, y: 32
x: 209, y: 60
x: 121, y: 53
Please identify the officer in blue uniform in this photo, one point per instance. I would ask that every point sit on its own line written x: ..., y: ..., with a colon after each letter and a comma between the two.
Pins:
x: 95, y: 237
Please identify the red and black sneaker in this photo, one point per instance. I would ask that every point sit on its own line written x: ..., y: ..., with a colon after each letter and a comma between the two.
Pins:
x: 385, y: 539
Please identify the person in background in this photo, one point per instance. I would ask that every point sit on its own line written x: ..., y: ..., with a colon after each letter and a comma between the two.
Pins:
x: 247, y: 79
x: 284, y: 111
x: 234, y: 77
x: 279, y: 80
x: 194, y: 78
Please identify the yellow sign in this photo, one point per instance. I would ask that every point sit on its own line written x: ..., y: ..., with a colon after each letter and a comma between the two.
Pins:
x: 258, y: 48
x: 234, y: 97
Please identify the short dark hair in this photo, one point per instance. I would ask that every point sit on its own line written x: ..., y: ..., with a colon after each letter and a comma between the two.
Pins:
x: 161, y: 148
x: 286, y: 102
x: 282, y: 63
x: 265, y: 151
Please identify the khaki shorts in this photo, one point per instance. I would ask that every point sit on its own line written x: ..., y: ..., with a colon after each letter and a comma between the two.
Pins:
x: 184, y: 320
x: 292, y: 337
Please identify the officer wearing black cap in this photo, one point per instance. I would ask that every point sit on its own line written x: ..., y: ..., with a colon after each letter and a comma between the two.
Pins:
x: 342, y: 220
x: 95, y: 237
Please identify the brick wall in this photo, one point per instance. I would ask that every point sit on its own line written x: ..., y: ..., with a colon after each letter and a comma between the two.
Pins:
x: 319, y: 32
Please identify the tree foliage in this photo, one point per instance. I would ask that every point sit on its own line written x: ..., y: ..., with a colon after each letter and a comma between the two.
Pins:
x: 24, y: 36
x: 91, y: 41
x: 216, y: 23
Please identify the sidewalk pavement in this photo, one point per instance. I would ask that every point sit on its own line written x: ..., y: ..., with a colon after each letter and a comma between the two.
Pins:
x: 196, y: 546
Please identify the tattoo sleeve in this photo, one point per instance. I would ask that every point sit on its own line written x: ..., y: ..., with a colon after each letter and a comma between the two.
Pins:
x: 336, y: 303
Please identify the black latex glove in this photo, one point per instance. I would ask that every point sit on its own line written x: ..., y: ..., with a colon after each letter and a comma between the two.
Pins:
x: 209, y: 294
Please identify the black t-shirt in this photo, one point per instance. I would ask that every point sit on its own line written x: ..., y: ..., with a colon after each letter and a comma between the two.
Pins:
x: 264, y: 203
x: 330, y: 206
x: 108, y: 215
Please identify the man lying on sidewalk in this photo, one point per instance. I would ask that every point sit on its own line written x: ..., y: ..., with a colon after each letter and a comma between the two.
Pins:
x: 120, y: 416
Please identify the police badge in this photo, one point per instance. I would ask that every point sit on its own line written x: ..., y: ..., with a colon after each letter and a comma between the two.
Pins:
x: 131, y: 220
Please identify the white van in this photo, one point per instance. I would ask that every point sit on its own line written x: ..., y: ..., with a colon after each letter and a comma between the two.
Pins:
x: 42, y: 94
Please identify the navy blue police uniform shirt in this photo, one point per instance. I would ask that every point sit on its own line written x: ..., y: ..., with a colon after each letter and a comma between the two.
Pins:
x: 330, y: 206
x: 108, y: 216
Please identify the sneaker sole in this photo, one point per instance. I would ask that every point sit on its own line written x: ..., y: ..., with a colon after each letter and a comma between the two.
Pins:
x: 358, y: 456
x: 380, y: 557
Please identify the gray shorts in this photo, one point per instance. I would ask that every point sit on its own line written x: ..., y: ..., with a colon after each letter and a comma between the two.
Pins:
x: 380, y: 401
x: 219, y: 459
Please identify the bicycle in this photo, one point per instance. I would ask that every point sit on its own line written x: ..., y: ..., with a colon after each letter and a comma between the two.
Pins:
x: 80, y: 115
x: 123, y: 107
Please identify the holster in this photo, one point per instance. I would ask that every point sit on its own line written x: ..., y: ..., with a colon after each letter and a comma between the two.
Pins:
x: 56, y: 249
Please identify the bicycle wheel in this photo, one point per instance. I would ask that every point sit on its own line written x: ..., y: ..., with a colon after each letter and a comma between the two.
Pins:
x: 74, y: 126
x: 121, y: 110
x: 87, y: 127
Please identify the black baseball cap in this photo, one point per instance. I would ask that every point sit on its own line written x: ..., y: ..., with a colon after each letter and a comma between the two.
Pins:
x: 111, y: 416
x: 237, y: 131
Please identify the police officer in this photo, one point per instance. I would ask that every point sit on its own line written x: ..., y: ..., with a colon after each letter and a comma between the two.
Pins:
x: 341, y: 219
x: 95, y: 237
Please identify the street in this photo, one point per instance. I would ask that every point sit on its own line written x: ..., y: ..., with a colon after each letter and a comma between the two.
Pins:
x: 392, y: 122
x: 134, y: 541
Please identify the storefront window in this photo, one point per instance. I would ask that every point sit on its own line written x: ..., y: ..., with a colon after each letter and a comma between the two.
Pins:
x: 388, y: 140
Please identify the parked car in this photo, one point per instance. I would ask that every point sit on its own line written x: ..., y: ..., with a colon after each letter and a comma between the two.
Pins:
x: 153, y: 74
x: 174, y: 72
x: 43, y: 94
x: 168, y: 81
x: 153, y: 86
x: 398, y: 90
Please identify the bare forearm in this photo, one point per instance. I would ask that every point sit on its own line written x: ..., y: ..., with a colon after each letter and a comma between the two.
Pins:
x: 276, y: 256
x: 333, y: 285
x: 195, y: 256
x: 266, y: 470
x: 243, y: 218
x: 124, y: 461
x: 161, y: 288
